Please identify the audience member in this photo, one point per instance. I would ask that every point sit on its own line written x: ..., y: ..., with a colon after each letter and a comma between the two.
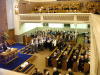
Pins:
x: 55, y: 72
x: 37, y: 72
x: 70, y: 72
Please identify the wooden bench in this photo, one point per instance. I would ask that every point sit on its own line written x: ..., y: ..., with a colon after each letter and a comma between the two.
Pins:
x: 47, y: 58
x: 70, y: 55
x: 27, y: 68
x: 55, y: 61
x: 65, y: 62
x: 86, y: 67
x: 75, y: 64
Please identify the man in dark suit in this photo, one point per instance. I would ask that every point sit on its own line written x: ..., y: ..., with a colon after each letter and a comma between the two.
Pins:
x: 81, y: 64
x: 56, y: 72
x: 37, y: 72
x: 70, y: 72
x: 1, y: 48
x: 4, y: 47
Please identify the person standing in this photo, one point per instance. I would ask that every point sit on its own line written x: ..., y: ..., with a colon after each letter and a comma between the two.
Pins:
x: 36, y: 44
x: 32, y: 45
x: 55, y: 72
x: 54, y: 42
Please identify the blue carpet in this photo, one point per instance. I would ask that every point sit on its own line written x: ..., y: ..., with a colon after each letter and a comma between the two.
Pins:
x: 17, y: 45
x: 18, y: 61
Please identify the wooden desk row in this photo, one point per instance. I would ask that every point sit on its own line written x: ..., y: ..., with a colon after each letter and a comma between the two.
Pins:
x: 26, y: 68
x: 26, y: 50
x: 8, y: 56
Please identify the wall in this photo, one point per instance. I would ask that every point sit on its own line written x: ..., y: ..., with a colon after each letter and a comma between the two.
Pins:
x: 25, y: 27
x: 3, y: 16
x: 95, y: 64
x: 10, y: 15
x: 28, y: 29
x: 7, y: 72
x: 11, y: 34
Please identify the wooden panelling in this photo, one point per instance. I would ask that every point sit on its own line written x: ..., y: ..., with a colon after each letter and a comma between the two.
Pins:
x: 11, y: 34
x: 83, y: 18
x: 69, y: 17
x: 30, y: 17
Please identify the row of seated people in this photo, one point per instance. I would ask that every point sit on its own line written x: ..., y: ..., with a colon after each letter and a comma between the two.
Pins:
x: 79, y: 59
x: 57, y: 53
x: 55, y: 72
x: 69, y: 57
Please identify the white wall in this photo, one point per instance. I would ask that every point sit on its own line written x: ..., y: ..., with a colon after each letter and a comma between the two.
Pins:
x: 95, y: 64
x: 25, y: 27
x: 10, y: 15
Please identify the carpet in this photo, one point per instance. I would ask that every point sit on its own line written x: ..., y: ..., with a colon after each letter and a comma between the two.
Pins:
x: 17, y: 45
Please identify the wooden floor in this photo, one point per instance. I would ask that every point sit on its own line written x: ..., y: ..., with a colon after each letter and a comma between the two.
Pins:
x: 39, y: 63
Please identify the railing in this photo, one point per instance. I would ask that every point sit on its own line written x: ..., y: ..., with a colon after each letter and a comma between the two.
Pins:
x: 57, y: 17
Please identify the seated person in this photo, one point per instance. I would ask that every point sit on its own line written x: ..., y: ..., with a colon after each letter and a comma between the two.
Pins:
x: 1, y: 48
x: 70, y: 72
x: 58, y: 51
x: 46, y: 72
x: 73, y: 59
x: 64, y: 55
x: 86, y: 59
x: 55, y: 72
x: 55, y: 55
x: 37, y: 72
x: 4, y: 47
x: 81, y: 63
x: 76, y: 53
